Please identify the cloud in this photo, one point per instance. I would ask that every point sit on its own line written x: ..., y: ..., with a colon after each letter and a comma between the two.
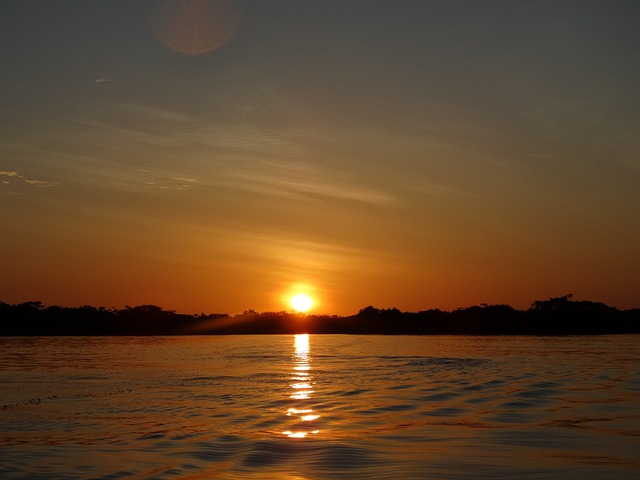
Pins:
x: 40, y: 183
x: 102, y: 80
x: 10, y: 174
x: 175, y: 187
x: 148, y: 180
x: 317, y: 260
x: 441, y: 190
x: 284, y: 186
x: 154, y: 186
x: 284, y: 179
x: 23, y: 180
x: 150, y: 113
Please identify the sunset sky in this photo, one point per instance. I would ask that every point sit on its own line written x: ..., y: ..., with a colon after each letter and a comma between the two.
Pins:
x: 221, y: 156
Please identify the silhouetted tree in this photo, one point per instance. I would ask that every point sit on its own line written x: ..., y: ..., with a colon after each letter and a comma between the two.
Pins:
x: 557, y: 315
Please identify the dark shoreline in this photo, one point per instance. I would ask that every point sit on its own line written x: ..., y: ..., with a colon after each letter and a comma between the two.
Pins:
x: 556, y: 316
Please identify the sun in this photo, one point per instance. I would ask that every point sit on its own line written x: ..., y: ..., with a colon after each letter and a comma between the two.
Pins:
x: 301, y: 302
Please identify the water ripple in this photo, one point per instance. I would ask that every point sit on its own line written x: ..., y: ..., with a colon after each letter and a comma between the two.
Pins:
x: 370, y: 407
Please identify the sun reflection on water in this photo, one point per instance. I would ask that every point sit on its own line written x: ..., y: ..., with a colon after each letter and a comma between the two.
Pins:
x: 302, y: 389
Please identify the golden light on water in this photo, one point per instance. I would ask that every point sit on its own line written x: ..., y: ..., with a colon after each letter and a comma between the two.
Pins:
x: 295, y: 411
x: 291, y: 434
x: 301, y: 395
x: 302, y: 386
x: 301, y: 345
x: 308, y: 418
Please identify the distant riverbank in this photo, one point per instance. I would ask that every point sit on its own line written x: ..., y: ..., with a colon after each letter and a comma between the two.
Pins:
x: 556, y: 316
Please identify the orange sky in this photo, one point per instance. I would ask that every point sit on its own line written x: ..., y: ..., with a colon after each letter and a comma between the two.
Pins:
x: 409, y: 154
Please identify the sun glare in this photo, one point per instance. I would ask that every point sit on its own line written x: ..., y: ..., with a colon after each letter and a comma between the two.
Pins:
x: 301, y: 302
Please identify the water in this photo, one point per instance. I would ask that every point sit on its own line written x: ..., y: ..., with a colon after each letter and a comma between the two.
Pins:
x: 320, y: 407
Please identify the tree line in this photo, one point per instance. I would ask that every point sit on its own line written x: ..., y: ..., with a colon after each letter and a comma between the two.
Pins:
x: 555, y: 316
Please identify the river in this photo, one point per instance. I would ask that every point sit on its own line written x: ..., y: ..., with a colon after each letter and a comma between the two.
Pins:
x: 320, y: 407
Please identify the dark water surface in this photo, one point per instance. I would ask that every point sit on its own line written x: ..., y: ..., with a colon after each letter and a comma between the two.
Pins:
x: 320, y: 407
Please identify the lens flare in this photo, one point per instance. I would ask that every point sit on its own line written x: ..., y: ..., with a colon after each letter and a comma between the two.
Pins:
x: 195, y: 27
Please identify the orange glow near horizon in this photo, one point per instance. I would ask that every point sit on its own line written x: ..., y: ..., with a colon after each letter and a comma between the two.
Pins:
x: 301, y: 297
x: 224, y: 156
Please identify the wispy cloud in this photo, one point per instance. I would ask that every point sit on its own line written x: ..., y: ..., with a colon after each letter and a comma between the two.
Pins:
x: 147, y: 180
x: 40, y: 183
x: 322, y: 262
x: 155, y: 114
x: 286, y: 179
x: 441, y: 190
x: 17, y: 179
x: 287, y: 186
x: 102, y: 80
x: 210, y: 147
